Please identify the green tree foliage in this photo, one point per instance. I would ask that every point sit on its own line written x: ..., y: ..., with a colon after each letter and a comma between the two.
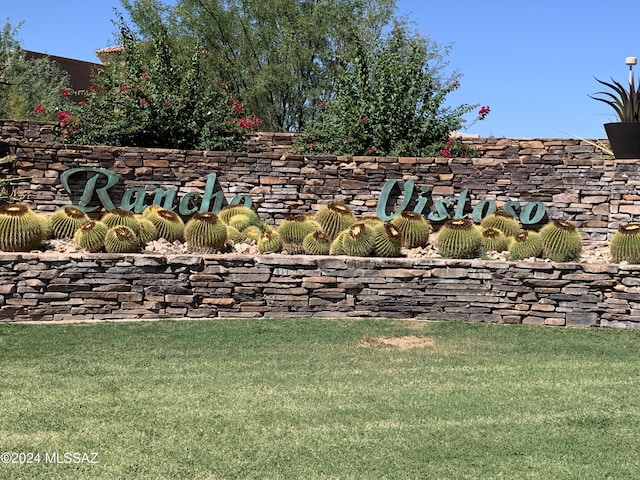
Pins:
x: 389, y: 101
x: 155, y: 95
x: 278, y: 56
x: 29, y: 87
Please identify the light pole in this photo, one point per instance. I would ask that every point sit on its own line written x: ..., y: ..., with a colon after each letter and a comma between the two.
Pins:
x: 631, y: 61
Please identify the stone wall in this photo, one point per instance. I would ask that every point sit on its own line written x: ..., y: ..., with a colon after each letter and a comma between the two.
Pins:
x: 571, y: 177
x: 55, y: 287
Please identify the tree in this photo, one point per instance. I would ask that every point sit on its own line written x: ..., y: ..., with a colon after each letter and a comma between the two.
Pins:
x: 29, y: 87
x: 154, y: 96
x: 277, y: 56
x: 389, y: 101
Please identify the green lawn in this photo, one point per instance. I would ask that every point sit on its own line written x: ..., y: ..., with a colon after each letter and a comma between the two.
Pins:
x: 306, y: 399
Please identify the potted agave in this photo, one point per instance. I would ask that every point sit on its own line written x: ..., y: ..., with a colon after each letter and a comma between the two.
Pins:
x: 624, y: 135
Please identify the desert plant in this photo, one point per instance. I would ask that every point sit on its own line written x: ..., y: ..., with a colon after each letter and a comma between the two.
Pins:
x: 358, y: 240
x: 336, y: 244
x: 561, y: 241
x: 387, y: 240
x: 168, y: 224
x: 334, y: 218
x: 235, y: 235
x: 90, y: 236
x: 294, y: 228
x: 65, y: 221
x: 118, y: 216
x: 147, y: 231
x: 526, y: 244
x: 149, y: 209
x: 252, y: 232
x: 47, y: 229
x: 459, y: 239
x: 625, y: 244
x: 414, y: 229
x: 239, y: 221
x: 494, y: 240
x: 270, y: 241
x: 229, y: 211
x: 121, y: 239
x: 20, y: 228
x: 316, y: 243
x: 626, y: 103
x: 503, y: 221
x: 205, y: 233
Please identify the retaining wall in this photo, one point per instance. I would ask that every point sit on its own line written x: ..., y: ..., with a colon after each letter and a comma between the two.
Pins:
x: 570, y: 176
x: 55, y: 287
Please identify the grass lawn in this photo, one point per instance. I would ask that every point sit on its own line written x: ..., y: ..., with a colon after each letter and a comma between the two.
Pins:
x: 307, y: 399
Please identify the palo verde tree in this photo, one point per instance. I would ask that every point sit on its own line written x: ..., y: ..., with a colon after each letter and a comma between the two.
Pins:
x: 278, y: 56
x: 29, y: 87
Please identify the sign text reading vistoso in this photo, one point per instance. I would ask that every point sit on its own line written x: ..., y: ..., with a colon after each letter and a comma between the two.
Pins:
x: 97, y: 182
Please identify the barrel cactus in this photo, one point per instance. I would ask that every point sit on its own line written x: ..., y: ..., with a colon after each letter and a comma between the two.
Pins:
x: 252, y: 232
x: 20, y: 228
x: 47, y: 229
x: 336, y: 244
x: 168, y: 224
x: 387, y: 240
x: 294, y: 228
x: 269, y: 242
x: 414, y: 229
x: 65, y: 221
x: 334, y: 218
x: 526, y: 244
x: 358, y: 240
x: 235, y: 235
x: 118, y: 216
x: 459, y: 239
x: 205, y: 233
x: 503, y: 221
x: 316, y: 243
x: 230, y: 211
x: 90, y: 236
x: 239, y: 221
x: 147, y: 231
x: 121, y: 239
x: 625, y: 244
x: 494, y: 240
x: 561, y: 241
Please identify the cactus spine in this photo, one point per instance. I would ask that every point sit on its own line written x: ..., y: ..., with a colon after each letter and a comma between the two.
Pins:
x: 414, y: 229
x: 494, y: 240
x: 316, y: 243
x: 561, y: 241
x: 334, y: 218
x: 459, y: 239
x: 205, y: 233
x: 503, y: 221
x: 121, y: 239
x: 526, y: 244
x: 118, y: 216
x: 625, y: 244
x: 293, y: 229
x: 20, y: 229
x: 230, y: 211
x: 90, y: 236
x: 65, y: 221
x: 168, y: 224
x: 358, y: 240
x: 387, y: 240
x: 270, y: 242
x: 147, y: 231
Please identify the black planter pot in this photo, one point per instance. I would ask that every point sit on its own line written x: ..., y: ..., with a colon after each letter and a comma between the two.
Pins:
x: 624, y: 138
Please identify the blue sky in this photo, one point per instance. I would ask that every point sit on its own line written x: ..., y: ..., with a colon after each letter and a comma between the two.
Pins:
x: 533, y: 63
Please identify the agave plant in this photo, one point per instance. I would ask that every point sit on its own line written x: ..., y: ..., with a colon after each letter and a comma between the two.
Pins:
x: 626, y: 103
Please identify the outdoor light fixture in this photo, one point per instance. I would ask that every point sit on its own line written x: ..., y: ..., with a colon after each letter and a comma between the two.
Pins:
x: 631, y: 61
